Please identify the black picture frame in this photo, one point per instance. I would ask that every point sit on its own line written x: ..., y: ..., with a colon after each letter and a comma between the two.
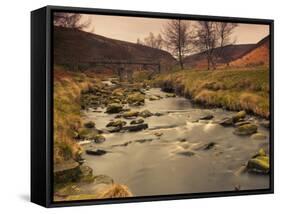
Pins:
x: 42, y: 105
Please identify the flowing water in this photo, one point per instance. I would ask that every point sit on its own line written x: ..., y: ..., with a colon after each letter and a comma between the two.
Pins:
x: 175, y: 162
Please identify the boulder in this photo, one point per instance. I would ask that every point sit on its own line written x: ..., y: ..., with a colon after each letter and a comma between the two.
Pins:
x: 71, y: 171
x: 97, y: 152
x: 246, y: 129
x: 135, y: 128
x: 238, y: 116
x: 145, y: 113
x: 138, y: 121
x: 114, y: 108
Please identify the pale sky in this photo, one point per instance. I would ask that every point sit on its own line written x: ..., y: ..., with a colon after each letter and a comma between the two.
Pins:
x: 131, y: 28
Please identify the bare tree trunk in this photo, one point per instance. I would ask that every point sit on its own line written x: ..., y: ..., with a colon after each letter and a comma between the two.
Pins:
x: 179, y: 39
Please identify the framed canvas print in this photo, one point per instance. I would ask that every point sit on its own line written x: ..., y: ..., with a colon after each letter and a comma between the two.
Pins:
x: 140, y: 106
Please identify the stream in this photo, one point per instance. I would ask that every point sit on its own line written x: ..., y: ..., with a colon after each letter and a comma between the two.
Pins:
x: 172, y: 161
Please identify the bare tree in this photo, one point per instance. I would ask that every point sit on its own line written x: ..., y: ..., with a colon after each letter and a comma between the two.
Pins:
x: 152, y: 41
x: 70, y: 20
x: 206, y: 41
x: 176, y: 36
x: 224, y: 31
x: 159, y: 41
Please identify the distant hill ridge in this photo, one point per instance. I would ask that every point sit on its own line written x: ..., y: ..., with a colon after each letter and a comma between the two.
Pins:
x: 72, y: 45
x: 234, y: 55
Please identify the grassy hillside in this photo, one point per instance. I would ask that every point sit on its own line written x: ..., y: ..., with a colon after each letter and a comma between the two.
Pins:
x: 67, y: 87
x: 257, y: 56
x: 233, y: 89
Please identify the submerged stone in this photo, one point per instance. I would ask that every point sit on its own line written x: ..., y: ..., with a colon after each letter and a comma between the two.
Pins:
x: 97, y: 152
x: 258, y: 136
x: 209, y: 146
x: 186, y: 153
x: 207, y: 117
x: 226, y: 122
x: 135, y: 128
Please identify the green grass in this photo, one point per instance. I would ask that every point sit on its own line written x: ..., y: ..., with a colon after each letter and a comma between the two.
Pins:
x: 233, y: 89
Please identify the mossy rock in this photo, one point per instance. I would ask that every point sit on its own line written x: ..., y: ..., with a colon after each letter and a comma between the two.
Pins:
x: 240, y: 115
x: 116, y: 123
x: 86, y: 173
x: 226, y: 122
x: 145, y: 113
x: 99, y: 138
x: 259, y: 164
x: 130, y: 114
x: 73, y: 172
x: 87, y: 133
x: 114, y: 108
x: 170, y: 95
x: 247, y: 129
x: 90, y: 124
x: 136, y: 99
